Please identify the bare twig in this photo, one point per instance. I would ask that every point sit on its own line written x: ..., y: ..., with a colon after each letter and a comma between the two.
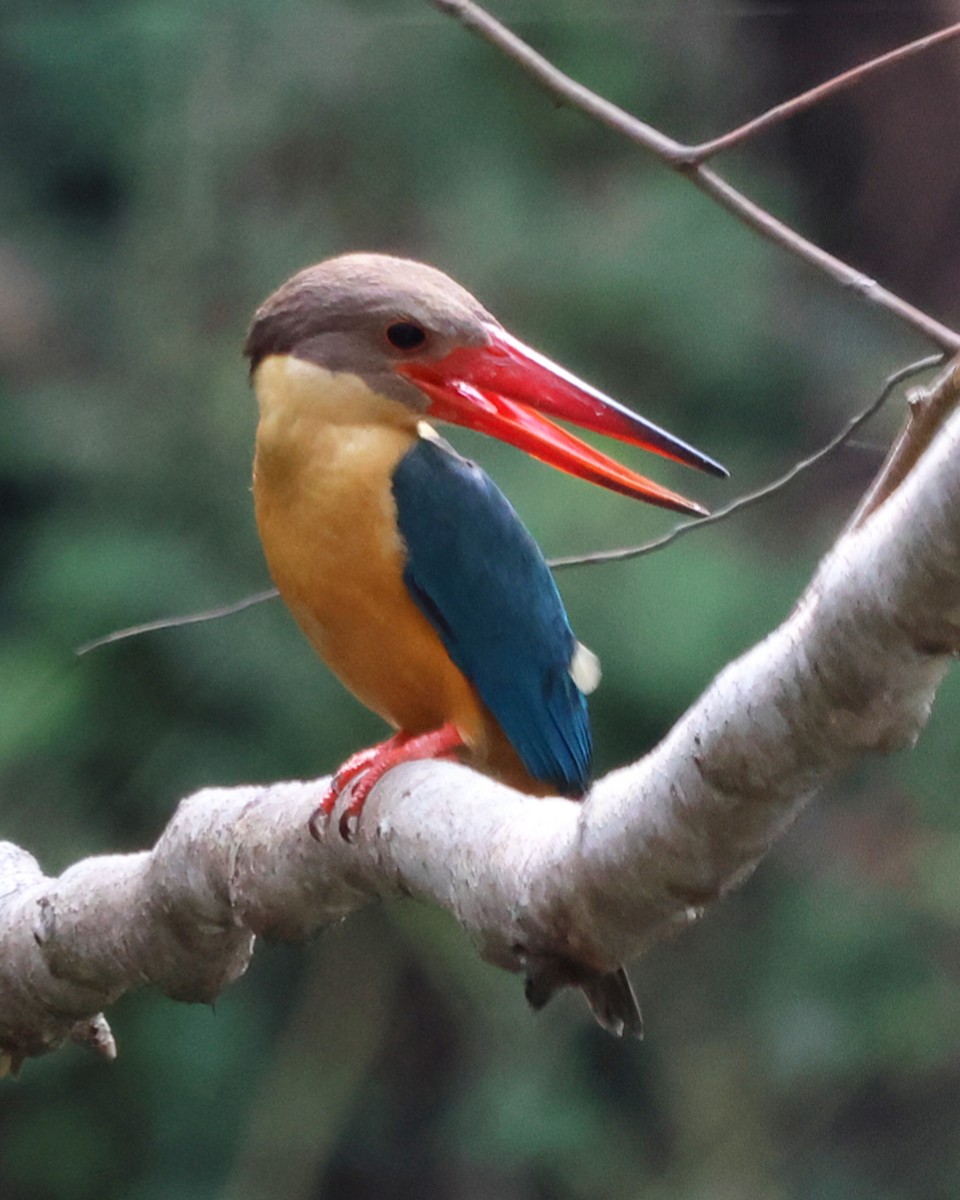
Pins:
x: 790, y: 108
x: 574, y: 560
x: 751, y: 498
x: 681, y: 158
x: 209, y: 614
x: 929, y: 408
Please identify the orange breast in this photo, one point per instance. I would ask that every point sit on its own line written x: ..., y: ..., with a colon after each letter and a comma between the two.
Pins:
x: 327, y: 447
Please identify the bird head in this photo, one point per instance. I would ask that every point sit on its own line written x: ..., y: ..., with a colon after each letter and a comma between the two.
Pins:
x: 415, y: 336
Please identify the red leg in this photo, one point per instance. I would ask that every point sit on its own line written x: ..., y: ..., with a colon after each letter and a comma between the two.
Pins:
x: 374, y: 763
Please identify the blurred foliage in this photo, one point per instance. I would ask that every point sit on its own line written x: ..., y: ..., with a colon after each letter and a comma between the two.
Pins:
x: 163, y: 166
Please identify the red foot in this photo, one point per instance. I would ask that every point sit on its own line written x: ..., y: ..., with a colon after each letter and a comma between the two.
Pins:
x: 372, y: 764
x: 355, y: 765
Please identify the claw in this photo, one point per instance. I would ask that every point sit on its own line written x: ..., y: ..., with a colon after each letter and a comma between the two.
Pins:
x: 371, y: 765
x: 355, y: 765
x: 320, y: 816
x: 358, y: 798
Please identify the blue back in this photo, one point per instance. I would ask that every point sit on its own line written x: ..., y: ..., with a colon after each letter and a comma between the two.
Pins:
x: 480, y: 579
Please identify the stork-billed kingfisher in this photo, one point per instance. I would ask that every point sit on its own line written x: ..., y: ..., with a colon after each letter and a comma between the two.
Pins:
x: 403, y: 563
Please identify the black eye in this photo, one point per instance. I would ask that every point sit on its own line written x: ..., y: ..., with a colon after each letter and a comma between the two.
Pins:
x: 405, y: 335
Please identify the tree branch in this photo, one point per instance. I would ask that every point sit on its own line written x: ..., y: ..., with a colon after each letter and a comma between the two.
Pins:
x: 686, y: 160
x: 852, y: 671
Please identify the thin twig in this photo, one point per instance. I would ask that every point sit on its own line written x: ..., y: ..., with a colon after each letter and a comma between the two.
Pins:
x: 678, y: 156
x: 210, y: 614
x: 798, y: 104
x: 559, y: 564
x: 929, y: 408
x: 751, y: 498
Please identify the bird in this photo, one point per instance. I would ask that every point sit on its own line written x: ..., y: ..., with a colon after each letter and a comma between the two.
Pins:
x: 403, y: 563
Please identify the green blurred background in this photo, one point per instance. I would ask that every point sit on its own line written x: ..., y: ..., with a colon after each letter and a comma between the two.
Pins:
x: 164, y: 164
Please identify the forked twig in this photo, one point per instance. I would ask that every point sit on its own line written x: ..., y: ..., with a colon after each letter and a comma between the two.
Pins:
x: 682, y: 158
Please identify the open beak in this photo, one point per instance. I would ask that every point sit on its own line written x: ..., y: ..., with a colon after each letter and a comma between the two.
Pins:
x: 501, y: 389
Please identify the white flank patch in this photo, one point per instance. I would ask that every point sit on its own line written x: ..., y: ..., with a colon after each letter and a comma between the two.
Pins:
x: 426, y: 430
x: 585, y: 669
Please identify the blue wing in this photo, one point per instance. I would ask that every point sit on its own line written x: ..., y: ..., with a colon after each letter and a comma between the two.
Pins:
x: 480, y: 579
